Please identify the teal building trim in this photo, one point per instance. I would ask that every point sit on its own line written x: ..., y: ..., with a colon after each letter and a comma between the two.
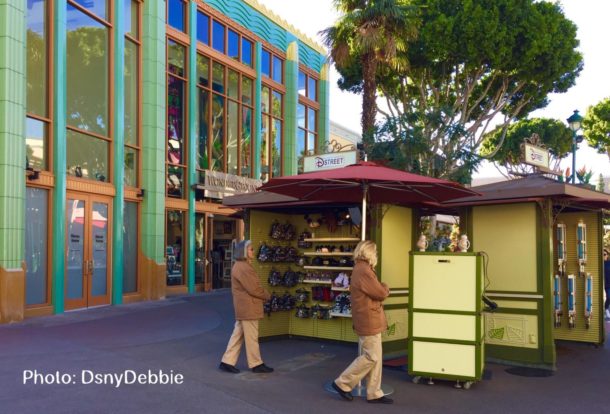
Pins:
x: 59, y: 154
x: 12, y: 130
x: 309, y: 57
x: 324, y: 115
x: 119, y: 153
x: 291, y: 76
x: 258, y: 117
x: 153, y: 131
x: 192, y: 145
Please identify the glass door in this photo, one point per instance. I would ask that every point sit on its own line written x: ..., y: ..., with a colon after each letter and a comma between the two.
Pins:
x: 88, y: 221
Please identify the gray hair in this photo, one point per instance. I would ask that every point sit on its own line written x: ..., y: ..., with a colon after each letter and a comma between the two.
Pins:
x: 240, y: 251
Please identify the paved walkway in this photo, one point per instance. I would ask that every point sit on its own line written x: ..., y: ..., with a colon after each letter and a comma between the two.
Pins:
x: 187, y: 335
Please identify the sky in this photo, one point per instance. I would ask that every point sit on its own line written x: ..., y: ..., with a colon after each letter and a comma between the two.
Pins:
x: 593, y: 84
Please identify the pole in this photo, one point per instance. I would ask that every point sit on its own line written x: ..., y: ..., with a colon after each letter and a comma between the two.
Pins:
x: 365, y: 191
x: 573, y: 157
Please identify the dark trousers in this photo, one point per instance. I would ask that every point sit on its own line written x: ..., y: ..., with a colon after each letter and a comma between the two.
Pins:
x: 607, y: 303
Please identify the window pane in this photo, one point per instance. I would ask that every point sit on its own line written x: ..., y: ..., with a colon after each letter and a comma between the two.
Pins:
x: 175, y: 119
x: 233, y: 41
x: 218, y: 37
x: 130, y: 19
x: 265, y: 99
x: 175, y: 175
x: 311, y: 144
x: 173, y: 250
x: 131, y: 167
x: 246, y: 142
x: 276, y: 151
x: 246, y: 90
x: 99, y: 235
x: 175, y: 11
x: 311, y: 119
x: 36, y: 214
x: 204, y: 115
x: 276, y: 104
x: 75, y: 229
x: 200, y: 248
x: 203, y: 28
x: 87, y: 73
x: 97, y: 7
x: 300, y: 149
x: 278, y: 70
x: 36, y: 144
x: 175, y: 58
x: 86, y: 157
x: 130, y: 248
x: 246, y: 52
x: 312, y: 90
x: 218, y: 77
x: 302, y: 83
x: 218, y: 115
x: 266, y: 63
x: 130, y: 72
x: 232, y: 135
x: 37, y: 59
x: 265, y: 134
x: 301, y: 110
x: 203, y: 71
x: 233, y: 87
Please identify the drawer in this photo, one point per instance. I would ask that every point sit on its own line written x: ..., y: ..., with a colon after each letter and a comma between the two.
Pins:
x: 444, y: 359
x: 445, y: 326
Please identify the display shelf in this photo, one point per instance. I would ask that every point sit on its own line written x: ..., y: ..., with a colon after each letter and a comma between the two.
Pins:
x: 340, y: 315
x: 339, y: 289
x: 319, y: 282
x: 327, y: 268
x: 329, y: 254
x: 334, y: 239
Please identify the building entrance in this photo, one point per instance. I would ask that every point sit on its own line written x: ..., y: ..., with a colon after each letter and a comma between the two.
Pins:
x: 88, y: 220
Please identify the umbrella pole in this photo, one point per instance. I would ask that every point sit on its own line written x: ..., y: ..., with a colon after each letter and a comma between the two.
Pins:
x: 365, y: 191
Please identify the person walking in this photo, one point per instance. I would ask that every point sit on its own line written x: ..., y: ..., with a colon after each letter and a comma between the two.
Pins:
x: 248, y: 298
x: 367, y: 295
x: 607, y: 282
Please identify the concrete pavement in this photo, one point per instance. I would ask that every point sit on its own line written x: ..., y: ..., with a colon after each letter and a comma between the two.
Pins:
x: 187, y: 335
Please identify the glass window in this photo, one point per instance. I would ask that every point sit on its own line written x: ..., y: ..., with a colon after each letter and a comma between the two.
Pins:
x: 218, y: 120
x: 266, y: 63
x: 86, y: 157
x: 175, y: 13
x: 300, y: 149
x: 37, y: 59
x: 175, y: 176
x: 130, y: 9
x: 130, y: 72
x: 233, y: 41
x: 311, y: 143
x: 203, y: 71
x: 174, y: 256
x: 36, y: 223
x: 246, y: 142
x: 246, y: 52
x: 97, y: 7
x: 312, y: 89
x: 130, y: 248
x: 36, y: 144
x: 276, y: 104
x: 301, y: 110
x: 233, y: 86
x: 218, y: 37
x: 276, y: 150
x: 175, y: 58
x: 131, y: 167
x: 278, y: 72
x: 200, y: 248
x: 203, y: 28
x: 246, y: 90
x: 311, y: 119
x: 265, y: 134
x: 218, y: 78
x: 265, y: 99
x: 232, y: 137
x: 87, y: 73
x: 302, y: 83
x: 175, y: 120
x: 203, y: 109
x: 75, y: 228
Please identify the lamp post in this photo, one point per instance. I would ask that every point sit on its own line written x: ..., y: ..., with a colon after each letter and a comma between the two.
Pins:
x: 574, y: 122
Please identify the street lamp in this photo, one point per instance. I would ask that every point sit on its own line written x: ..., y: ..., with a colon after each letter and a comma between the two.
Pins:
x: 574, y: 122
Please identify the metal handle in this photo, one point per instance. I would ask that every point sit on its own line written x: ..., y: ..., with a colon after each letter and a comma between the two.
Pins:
x: 90, y: 268
x: 444, y: 261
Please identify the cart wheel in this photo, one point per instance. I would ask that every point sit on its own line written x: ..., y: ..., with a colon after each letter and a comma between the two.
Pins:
x: 430, y: 382
x: 416, y: 380
x: 467, y: 385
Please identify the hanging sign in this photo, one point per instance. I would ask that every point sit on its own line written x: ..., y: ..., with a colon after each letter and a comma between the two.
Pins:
x: 536, y: 156
x: 220, y: 185
x: 329, y: 161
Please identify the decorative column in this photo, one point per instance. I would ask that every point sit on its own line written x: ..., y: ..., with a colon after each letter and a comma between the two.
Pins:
x: 324, y: 115
x: 192, y: 146
x: 258, y: 118
x: 119, y: 153
x: 153, y: 150
x: 291, y: 75
x: 12, y: 159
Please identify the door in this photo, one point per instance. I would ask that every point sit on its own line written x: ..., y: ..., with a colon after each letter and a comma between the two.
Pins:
x: 88, y: 235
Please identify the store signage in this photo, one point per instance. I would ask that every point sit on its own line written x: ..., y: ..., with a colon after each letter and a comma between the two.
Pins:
x: 329, y: 161
x: 536, y: 156
x: 220, y: 185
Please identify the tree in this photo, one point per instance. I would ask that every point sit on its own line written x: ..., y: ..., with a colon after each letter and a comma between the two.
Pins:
x: 369, y: 35
x: 601, y: 184
x: 596, y: 126
x: 474, y: 64
x: 553, y: 134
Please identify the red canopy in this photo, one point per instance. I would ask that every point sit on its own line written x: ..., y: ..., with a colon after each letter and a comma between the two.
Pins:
x: 385, y: 185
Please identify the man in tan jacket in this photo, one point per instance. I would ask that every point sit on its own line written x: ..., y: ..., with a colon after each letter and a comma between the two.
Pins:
x: 248, y: 298
x: 367, y: 295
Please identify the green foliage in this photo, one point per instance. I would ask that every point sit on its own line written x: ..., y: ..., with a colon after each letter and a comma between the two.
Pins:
x: 583, y: 175
x: 601, y: 184
x: 596, y: 125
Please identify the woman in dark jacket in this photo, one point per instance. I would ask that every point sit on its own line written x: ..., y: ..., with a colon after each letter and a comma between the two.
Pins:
x: 367, y: 295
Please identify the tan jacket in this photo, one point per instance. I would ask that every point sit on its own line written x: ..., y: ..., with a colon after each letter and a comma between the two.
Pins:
x: 366, y: 297
x: 248, y: 293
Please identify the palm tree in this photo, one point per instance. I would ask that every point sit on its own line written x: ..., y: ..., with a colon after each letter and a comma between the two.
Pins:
x: 371, y: 34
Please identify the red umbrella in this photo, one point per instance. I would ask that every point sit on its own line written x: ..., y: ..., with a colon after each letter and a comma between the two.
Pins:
x: 367, y: 181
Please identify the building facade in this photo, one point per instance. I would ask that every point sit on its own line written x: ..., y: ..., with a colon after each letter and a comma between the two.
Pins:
x: 123, y: 124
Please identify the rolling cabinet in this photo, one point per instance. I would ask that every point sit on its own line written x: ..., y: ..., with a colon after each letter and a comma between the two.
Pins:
x: 446, y: 329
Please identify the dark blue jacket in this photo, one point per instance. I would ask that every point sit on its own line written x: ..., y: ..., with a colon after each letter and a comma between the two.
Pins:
x: 607, y: 274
